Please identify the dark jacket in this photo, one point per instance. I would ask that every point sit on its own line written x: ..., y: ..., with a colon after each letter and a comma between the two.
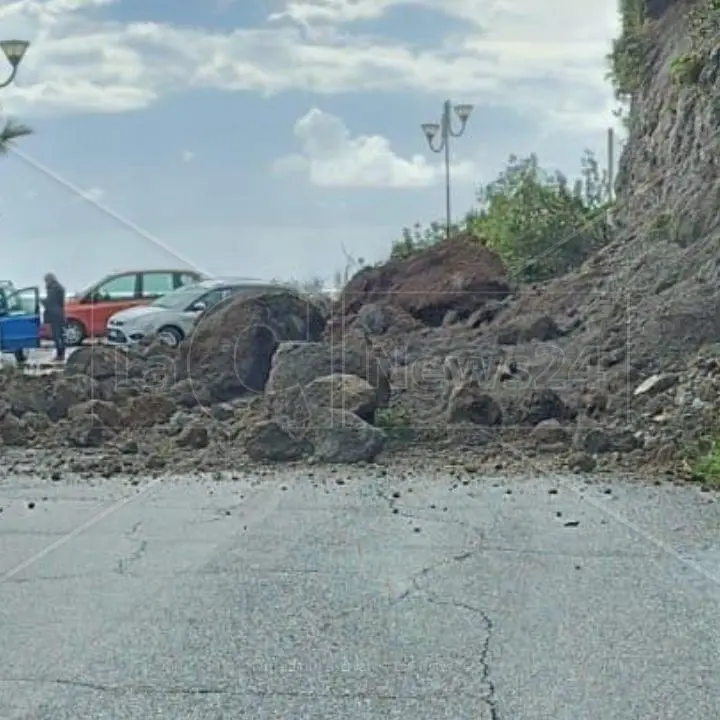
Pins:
x: 54, y: 303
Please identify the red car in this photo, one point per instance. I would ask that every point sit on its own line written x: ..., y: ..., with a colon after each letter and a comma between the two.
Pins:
x: 87, y: 313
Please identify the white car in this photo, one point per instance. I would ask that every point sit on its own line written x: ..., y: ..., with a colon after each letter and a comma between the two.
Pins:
x: 173, y: 316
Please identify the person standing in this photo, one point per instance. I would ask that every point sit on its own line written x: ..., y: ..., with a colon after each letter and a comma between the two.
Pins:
x: 55, y: 314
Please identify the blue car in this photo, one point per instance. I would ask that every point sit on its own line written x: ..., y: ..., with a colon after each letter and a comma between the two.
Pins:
x: 20, y: 321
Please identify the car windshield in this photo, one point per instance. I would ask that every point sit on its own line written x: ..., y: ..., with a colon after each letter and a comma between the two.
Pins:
x: 85, y: 290
x: 180, y: 298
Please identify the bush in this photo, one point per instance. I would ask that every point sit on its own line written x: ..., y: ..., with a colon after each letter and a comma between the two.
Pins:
x: 706, y: 468
x: 418, y: 237
x: 703, y: 22
x: 629, y: 51
x: 627, y: 62
x: 686, y: 69
x: 538, y: 225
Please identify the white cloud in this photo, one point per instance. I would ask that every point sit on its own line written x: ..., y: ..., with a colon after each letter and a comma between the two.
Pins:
x: 188, y: 156
x: 331, y: 157
x: 80, y: 60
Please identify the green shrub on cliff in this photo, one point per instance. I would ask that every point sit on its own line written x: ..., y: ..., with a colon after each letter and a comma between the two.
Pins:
x: 685, y: 69
x: 629, y: 51
x: 539, y: 224
x: 703, y: 23
x: 705, y: 467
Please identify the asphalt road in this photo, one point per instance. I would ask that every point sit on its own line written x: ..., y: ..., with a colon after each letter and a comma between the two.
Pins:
x: 289, y: 598
x: 39, y: 361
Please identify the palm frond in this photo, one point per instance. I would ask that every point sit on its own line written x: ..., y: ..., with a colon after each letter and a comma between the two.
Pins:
x: 11, y: 132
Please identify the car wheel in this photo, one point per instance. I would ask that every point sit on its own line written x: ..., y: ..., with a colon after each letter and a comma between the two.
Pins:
x: 20, y: 357
x: 74, y: 333
x: 171, y: 336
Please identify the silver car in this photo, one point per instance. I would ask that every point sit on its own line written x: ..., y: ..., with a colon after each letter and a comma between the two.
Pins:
x: 173, y: 316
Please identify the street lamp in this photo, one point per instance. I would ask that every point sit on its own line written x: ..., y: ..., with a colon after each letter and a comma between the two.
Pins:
x: 445, y: 129
x: 14, y: 51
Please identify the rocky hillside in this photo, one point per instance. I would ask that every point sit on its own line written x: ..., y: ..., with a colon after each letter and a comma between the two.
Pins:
x: 659, y: 278
x: 627, y: 341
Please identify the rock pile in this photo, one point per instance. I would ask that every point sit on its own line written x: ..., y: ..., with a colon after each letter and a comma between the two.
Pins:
x: 261, y: 379
x: 254, y: 380
x: 448, y: 281
x: 230, y: 351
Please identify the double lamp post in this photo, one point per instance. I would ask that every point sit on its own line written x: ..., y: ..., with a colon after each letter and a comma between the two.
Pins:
x: 445, y: 131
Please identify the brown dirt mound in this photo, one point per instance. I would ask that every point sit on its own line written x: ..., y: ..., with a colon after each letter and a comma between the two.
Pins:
x: 230, y: 351
x: 461, y: 275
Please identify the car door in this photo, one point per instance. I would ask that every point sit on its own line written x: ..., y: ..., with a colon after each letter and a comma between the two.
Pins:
x: 108, y: 297
x: 20, y: 325
x: 154, y: 284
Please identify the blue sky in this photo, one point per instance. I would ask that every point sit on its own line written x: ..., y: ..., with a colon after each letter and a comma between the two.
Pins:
x: 260, y: 137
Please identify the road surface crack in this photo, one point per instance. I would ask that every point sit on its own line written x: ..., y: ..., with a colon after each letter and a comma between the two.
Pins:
x: 484, y: 659
x: 123, y: 563
x: 418, y: 590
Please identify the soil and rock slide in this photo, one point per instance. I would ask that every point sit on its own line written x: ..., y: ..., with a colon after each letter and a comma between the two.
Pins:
x: 614, y: 365
x: 456, y: 374
x: 255, y: 381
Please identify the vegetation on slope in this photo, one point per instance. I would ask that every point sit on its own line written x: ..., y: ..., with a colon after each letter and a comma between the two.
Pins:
x: 704, y: 31
x: 704, y: 467
x: 537, y: 221
x: 631, y: 50
x: 628, y: 57
x: 539, y: 224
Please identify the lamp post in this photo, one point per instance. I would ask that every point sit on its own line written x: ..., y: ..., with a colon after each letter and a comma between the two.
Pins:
x: 14, y: 51
x: 445, y: 129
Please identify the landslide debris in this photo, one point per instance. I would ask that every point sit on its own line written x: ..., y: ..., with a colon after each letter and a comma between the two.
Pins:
x: 615, y: 364
x: 456, y: 277
x: 231, y: 350
x: 204, y: 405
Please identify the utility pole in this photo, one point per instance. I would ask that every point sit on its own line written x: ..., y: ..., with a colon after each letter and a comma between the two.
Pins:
x: 445, y: 129
x: 611, y: 163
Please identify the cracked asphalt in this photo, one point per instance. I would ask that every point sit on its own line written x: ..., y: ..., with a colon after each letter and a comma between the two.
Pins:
x: 358, y: 594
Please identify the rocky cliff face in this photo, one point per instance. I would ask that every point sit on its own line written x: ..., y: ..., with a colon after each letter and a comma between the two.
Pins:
x: 658, y: 283
x: 668, y: 180
x: 667, y: 263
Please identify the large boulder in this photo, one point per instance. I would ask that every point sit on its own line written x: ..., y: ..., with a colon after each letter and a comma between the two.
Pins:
x: 107, y: 412
x: 340, y: 392
x: 380, y: 318
x: 533, y: 406
x: 296, y: 365
x: 338, y: 436
x: 460, y: 275
x: 330, y: 436
x: 100, y: 362
x: 12, y: 432
x: 230, y: 351
x: 26, y: 394
x: 271, y: 441
x: 69, y: 391
x: 52, y: 395
x: 468, y: 403
x: 149, y: 409
x: 542, y: 328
